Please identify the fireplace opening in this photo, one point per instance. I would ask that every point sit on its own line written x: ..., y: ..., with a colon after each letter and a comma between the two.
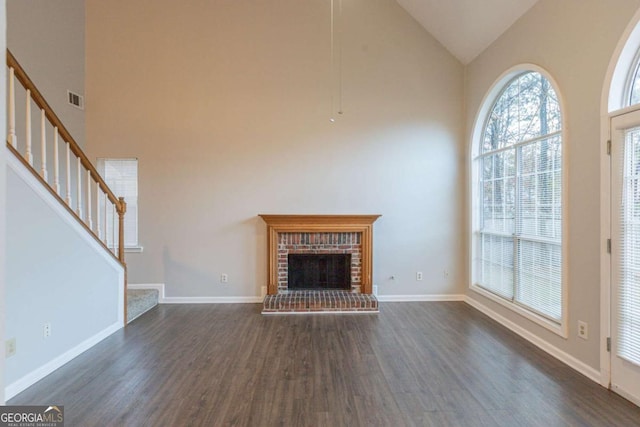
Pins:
x: 319, y: 271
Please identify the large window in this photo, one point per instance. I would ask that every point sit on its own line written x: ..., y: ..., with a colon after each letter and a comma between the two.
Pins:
x: 518, y: 198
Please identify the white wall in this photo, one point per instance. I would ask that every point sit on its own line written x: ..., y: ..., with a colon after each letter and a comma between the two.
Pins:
x: 227, y: 107
x: 3, y: 206
x: 47, y: 37
x: 56, y: 273
x: 574, y: 41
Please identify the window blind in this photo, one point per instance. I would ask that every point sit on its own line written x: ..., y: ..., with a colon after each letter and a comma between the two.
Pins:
x: 628, y: 295
x: 520, y: 218
x: 121, y: 175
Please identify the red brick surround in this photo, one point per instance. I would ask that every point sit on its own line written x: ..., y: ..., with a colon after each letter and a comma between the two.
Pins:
x: 320, y: 243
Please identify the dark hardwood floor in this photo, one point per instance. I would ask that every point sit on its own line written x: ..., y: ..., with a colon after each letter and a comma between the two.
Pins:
x: 432, y: 364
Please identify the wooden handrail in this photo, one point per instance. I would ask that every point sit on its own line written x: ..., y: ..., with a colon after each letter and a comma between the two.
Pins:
x: 37, y: 97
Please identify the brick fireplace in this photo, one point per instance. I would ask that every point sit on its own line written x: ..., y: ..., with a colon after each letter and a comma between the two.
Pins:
x: 304, y: 243
x: 320, y: 234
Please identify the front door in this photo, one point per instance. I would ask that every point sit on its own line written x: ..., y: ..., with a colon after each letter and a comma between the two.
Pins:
x: 625, y: 233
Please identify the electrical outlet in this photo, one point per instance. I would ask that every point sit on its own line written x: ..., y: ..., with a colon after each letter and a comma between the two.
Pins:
x: 46, y: 330
x: 10, y: 347
x: 224, y: 278
x: 583, y: 330
x: 419, y: 275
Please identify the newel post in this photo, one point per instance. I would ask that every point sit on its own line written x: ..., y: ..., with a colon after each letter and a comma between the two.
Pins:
x: 122, y: 209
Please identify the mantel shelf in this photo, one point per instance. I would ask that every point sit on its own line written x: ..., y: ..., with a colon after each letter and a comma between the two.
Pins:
x: 319, y: 221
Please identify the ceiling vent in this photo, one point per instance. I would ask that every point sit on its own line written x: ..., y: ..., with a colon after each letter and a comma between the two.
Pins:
x: 75, y: 100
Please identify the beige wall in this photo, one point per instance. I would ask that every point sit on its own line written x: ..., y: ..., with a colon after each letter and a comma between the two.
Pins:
x: 47, y: 39
x: 227, y: 106
x: 574, y: 41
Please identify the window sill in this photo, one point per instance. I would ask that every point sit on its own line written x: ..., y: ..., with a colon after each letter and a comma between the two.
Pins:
x: 558, y: 329
x: 134, y: 249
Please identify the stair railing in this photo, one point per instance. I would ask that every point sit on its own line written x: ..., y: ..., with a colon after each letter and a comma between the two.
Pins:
x: 88, y: 199
x: 93, y: 213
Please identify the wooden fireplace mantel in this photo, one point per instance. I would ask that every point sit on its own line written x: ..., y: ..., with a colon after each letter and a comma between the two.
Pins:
x: 320, y: 224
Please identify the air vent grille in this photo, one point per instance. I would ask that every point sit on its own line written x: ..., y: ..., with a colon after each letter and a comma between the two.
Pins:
x: 75, y: 100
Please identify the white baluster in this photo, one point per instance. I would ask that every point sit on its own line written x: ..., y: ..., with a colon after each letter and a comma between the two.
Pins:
x: 43, y: 144
x: 56, y: 162
x: 98, y: 191
x: 89, y: 220
x: 27, y: 136
x: 79, y: 179
x: 106, y: 219
x: 12, y: 109
x: 113, y: 229
x: 68, y: 183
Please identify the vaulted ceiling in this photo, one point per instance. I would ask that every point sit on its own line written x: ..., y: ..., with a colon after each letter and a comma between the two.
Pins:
x: 466, y: 27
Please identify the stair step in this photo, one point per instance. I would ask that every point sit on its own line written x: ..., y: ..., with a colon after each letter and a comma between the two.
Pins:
x: 139, y: 301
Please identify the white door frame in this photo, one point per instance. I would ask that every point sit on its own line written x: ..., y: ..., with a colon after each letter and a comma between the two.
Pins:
x: 611, y: 105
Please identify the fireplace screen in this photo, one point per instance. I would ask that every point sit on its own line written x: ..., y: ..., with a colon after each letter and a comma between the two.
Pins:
x: 319, y: 271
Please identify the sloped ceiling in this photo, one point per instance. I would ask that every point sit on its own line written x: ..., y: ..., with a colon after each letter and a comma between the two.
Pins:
x: 466, y: 27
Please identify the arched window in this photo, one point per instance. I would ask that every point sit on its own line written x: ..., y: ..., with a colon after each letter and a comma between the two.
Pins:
x: 518, y: 198
x: 632, y: 96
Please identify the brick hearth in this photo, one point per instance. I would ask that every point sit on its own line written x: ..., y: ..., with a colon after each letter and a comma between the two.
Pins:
x: 320, y: 302
x: 320, y: 234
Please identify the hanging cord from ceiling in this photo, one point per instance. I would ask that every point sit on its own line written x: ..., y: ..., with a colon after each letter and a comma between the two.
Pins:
x: 336, y: 59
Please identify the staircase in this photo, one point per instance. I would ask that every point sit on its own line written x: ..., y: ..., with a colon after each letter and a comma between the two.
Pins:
x: 58, y: 162
x: 48, y: 151
x: 139, y: 301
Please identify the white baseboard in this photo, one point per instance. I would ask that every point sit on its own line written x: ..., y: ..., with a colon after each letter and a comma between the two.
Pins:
x: 259, y: 299
x: 213, y: 300
x: 586, y: 370
x: 158, y: 286
x: 33, y: 377
x: 411, y: 298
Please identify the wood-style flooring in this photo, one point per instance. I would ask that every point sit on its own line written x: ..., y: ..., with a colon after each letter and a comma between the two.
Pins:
x: 422, y: 364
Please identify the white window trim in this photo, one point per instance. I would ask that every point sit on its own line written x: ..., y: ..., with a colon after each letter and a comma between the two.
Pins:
x: 562, y: 328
